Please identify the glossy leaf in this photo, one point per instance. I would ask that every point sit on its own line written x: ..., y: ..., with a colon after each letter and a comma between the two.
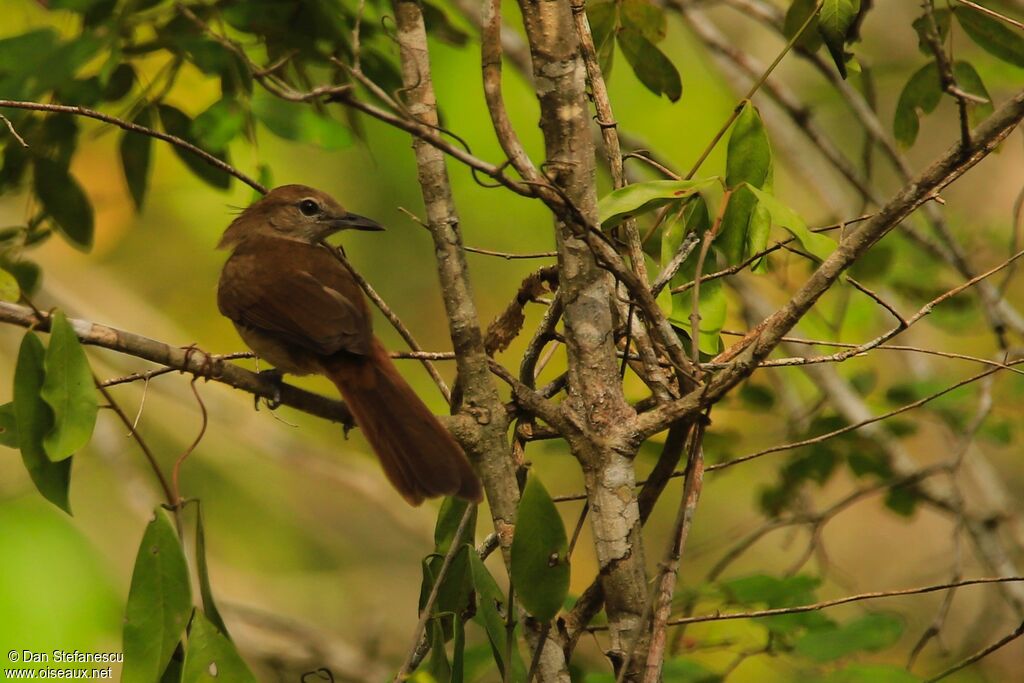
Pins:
x: 817, y: 245
x: 650, y: 64
x: 8, y: 426
x: 639, y: 198
x: 9, y: 288
x: 177, y: 123
x: 34, y: 420
x: 64, y: 200
x: 539, y: 561
x: 136, y: 158
x: 68, y: 390
x: 211, y: 657
x: 796, y: 16
x: 300, y: 123
x: 834, y: 22
x: 920, y: 95
x: 159, y: 603
x: 992, y: 35
x: 489, y: 614
x: 448, y: 519
x: 871, y: 632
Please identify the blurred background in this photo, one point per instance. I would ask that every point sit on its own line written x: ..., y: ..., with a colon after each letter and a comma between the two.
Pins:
x: 311, y: 549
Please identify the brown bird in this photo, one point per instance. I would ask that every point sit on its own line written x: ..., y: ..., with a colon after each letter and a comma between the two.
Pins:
x: 298, y: 307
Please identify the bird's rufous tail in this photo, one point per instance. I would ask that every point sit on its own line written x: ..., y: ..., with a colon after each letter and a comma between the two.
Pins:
x: 419, y: 456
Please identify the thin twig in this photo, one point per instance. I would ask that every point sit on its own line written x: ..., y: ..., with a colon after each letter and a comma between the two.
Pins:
x: 428, y: 607
x: 136, y: 128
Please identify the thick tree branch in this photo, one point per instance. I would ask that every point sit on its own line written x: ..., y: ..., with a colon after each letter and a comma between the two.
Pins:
x: 186, y: 359
x: 746, y: 354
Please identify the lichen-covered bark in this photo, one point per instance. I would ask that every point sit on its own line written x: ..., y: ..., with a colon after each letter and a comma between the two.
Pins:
x: 594, y: 390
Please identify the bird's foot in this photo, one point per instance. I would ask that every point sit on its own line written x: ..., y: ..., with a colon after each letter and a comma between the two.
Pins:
x: 276, y: 378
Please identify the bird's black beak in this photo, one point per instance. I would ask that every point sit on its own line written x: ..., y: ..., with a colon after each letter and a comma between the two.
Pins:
x: 353, y: 221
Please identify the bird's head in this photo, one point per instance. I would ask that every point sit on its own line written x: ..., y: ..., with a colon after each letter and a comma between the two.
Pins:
x: 295, y: 212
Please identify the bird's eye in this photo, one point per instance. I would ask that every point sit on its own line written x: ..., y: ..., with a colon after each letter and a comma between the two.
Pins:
x: 308, y: 207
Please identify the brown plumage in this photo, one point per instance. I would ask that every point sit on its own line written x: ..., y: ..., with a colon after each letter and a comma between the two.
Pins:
x: 300, y: 309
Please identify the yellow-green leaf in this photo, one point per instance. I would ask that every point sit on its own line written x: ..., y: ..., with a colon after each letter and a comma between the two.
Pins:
x: 639, y: 198
x: 9, y: 289
x: 818, y: 246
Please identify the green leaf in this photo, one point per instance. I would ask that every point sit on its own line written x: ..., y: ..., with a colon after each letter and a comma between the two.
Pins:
x: 920, y: 95
x: 756, y: 396
x: 603, y: 18
x: 817, y: 245
x: 650, y: 64
x: 639, y: 198
x: 992, y: 35
x: 301, y: 123
x: 645, y: 18
x: 771, y: 591
x: 159, y: 603
x: 438, y: 665
x: 8, y: 426
x: 64, y: 200
x: 203, y: 571
x: 448, y: 519
x: 490, y: 601
x: 745, y: 224
x: 211, y: 656
x: 26, y: 273
x: 539, y: 553
x: 136, y: 157
x: 682, y: 670
x: 872, y: 673
x: 834, y: 23
x: 969, y: 80
x: 9, y: 289
x: 177, y: 123
x: 871, y: 632
x: 902, y: 500
x: 219, y: 124
x: 796, y: 16
x: 68, y: 390
x: 454, y: 595
x: 34, y: 419
x: 749, y: 158
x: 440, y: 26
x: 712, y: 304
x: 943, y: 20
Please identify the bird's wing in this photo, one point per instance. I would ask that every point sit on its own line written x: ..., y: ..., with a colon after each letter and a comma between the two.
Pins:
x: 307, y: 302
